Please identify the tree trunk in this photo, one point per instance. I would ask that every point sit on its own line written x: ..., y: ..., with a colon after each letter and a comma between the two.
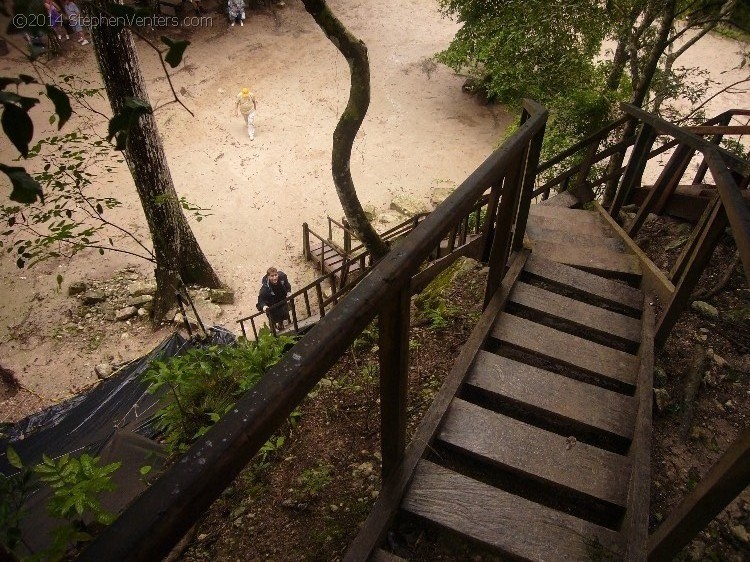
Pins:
x: 351, y: 119
x: 179, y: 258
x: 641, y: 81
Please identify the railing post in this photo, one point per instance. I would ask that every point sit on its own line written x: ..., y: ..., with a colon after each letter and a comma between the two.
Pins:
x: 393, y: 324
x: 488, y: 228
x: 504, y: 227
x: 716, y: 139
x: 306, y: 240
x: 347, y: 236
x: 532, y: 163
x: 321, y: 305
x: 698, y: 259
x: 634, y: 171
x: 663, y: 187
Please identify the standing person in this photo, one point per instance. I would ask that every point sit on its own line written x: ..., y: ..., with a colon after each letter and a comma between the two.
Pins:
x: 74, y: 20
x: 55, y: 19
x: 236, y: 11
x: 273, y: 290
x: 246, y: 105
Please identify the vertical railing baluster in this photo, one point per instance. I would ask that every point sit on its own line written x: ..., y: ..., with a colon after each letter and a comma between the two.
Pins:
x: 634, y: 171
x: 294, y: 315
x: 529, y: 176
x: 393, y: 324
x: 321, y: 305
x: 307, y: 304
x: 503, y: 228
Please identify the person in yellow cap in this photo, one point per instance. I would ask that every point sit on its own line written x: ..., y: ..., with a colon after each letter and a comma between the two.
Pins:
x: 246, y: 106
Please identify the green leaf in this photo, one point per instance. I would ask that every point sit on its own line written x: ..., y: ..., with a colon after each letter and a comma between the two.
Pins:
x: 176, y: 50
x: 18, y: 127
x: 20, y: 263
x: 62, y: 104
x: 25, y: 188
x: 13, y: 459
x: 59, y: 280
x: 145, y: 469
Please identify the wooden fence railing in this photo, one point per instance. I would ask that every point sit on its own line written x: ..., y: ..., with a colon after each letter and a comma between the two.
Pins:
x: 585, y: 161
x: 311, y: 303
x: 727, y: 205
x: 156, y: 520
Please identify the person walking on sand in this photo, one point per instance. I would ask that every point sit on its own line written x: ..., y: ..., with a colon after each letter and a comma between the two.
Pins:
x: 272, y: 297
x: 236, y: 11
x: 74, y: 20
x: 246, y: 106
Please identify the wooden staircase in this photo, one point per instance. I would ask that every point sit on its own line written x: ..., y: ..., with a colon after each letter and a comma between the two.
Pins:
x: 541, y: 450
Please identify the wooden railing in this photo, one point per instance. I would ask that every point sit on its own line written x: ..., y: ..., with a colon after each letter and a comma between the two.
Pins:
x: 310, y: 303
x: 727, y: 206
x: 156, y: 520
x: 584, y: 162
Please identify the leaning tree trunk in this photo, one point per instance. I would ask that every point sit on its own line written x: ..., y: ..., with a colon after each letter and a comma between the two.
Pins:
x: 351, y: 119
x: 178, y: 256
x: 641, y: 86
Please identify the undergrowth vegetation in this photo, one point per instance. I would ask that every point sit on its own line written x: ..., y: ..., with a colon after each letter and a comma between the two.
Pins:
x: 204, y: 384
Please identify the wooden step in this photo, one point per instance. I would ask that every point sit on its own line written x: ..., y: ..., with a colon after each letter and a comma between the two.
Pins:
x: 609, y: 364
x: 535, y: 233
x: 587, y: 226
x: 600, y: 261
x: 535, y: 453
x: 576, y: 312
x: 586, y: 283
x: 513, y: 525
x: 597, y: 409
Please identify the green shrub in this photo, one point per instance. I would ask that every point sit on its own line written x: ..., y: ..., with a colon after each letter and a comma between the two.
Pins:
x: 204, y: 383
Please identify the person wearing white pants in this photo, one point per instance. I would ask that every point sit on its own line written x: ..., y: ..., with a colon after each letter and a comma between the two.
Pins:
x: 246, y: 105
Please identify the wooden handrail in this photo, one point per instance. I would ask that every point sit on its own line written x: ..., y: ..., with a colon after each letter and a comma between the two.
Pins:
x: 158, y: 518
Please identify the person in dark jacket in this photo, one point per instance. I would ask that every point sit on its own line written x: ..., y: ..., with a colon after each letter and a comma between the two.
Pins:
x: 273, y: 290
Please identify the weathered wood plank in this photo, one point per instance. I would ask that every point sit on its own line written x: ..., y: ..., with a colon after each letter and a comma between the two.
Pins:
x: 611, y: 364
x: 389, y: 499
x: 587, y: 283
x: 513, y: 525
x: 596, y: 260
x: 586, y: 225
x: 536, y: 453
x: 576, y: 312
x: 597, y: 408
x: 653, y: 278
x: 635, y: 524
x: 562, y: 235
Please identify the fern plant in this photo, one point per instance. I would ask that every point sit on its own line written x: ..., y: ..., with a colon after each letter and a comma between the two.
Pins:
x: 204, y: 383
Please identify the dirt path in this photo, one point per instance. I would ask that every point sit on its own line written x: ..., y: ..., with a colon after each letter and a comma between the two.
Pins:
x: 421, y: 131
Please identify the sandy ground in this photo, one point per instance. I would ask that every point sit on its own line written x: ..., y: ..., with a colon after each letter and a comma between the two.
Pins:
x: 421, y: 132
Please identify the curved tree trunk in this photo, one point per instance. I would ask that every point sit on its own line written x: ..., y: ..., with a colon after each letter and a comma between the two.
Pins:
x: 178, y: 255
x: 351, y: 119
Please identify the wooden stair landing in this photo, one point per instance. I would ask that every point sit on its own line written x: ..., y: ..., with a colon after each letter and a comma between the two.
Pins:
x: 530, y: 448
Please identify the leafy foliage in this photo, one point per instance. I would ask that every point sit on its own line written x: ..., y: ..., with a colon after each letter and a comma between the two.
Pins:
x: 77, y: 484
x: 70, y: 218
x: 516, y: 49
x: 204, y: 383
x: 14, y: 491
